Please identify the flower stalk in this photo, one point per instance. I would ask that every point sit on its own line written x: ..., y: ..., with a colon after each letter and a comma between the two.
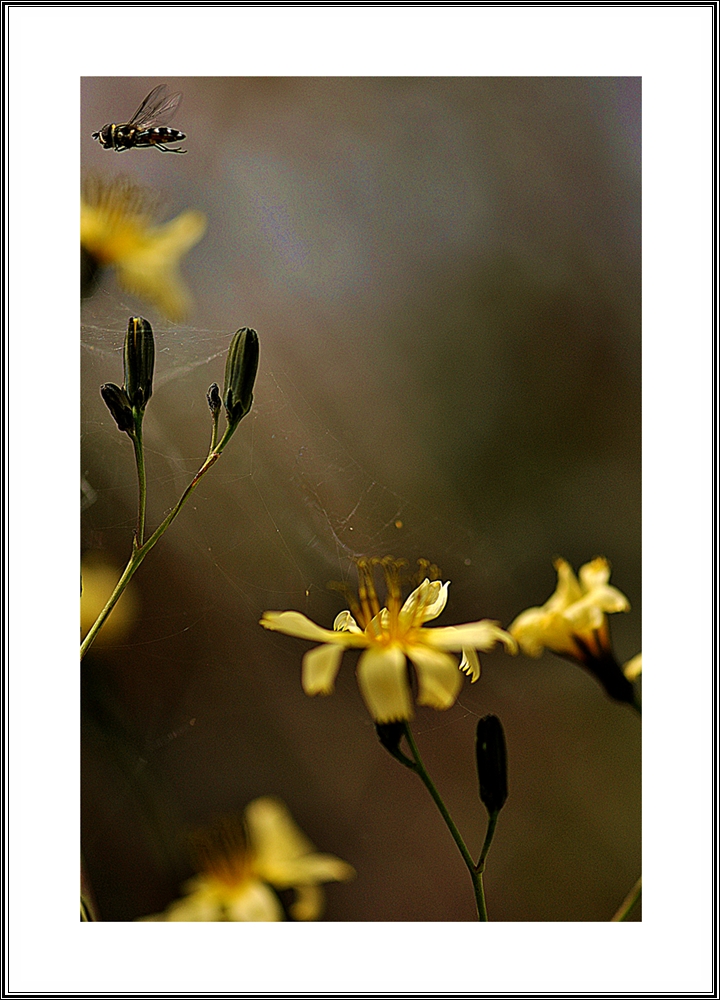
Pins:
x: 390, y: 736
x: 127, y: 406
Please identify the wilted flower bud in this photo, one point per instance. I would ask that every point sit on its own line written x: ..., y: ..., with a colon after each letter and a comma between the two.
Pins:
x: 118, y: 403
x: 491, y: 757
x: 139, y: 361
x: 240, y: 371
x: 213, y: 398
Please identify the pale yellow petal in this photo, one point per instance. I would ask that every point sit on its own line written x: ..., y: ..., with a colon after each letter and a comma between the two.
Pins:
x: 309, y: 903
x: 568, y: 589
x: 595, y: 573
x: 439, y: 680
x: 297, y: 624
x: 633, y: 668
x: 320, y: 667
x: 382, y: 678
x: 345, y: 623
x: 255, y: 902
x: 200, y: 905
x: 425, y: 603
x: 470, y: 663
x: 528, y: 630
x: 310, y: 869
x: 481, y: 635
x: 273, y: 834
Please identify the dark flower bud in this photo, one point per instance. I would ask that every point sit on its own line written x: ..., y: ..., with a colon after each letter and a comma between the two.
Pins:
x: 240, y: 371
x: 390, y: 734
x: 118, y: 403
x: 139, y: 362
x: 491, y: 755
x: 213, y: 398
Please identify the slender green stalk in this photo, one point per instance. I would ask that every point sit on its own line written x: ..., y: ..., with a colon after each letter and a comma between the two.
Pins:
x: 492, y: 823
x: 142, y: 482
x: 628, y: 904
x: 139, y: 553
x: 475, y: 872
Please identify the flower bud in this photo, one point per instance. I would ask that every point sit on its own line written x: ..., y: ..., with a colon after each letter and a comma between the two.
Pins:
x: 118, y: 403
x: 390, y: 735
x: 213, y: 398
x: 491, y: 756
x: 139, y: 362
x: 240, y: 371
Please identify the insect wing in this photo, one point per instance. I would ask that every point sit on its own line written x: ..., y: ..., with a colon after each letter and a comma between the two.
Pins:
x: 157, y: 108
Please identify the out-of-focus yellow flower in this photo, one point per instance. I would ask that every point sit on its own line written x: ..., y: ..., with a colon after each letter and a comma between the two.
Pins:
x: 389, y: 635
x: 117, y: 229
x: 573, y: 624
x: 633, y: 668
x: 99, y: 577
x: 240, y: 862
x: 573, y: 621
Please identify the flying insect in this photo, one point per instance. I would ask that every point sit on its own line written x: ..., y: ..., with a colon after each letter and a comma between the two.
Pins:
x: 147, y: 127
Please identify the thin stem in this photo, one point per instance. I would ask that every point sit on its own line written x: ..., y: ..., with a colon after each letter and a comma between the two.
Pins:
x: 142, y: 485
x: 139, y: 554
x: 213, y: 438
x: 628, y: 904
x: 475, y: 874
x: 492, y: 823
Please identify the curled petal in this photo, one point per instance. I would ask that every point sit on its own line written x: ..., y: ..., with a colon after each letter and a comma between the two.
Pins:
x: 595, y: 573
x: 297, y: 624
x: 480, y: 635
x: 439, y: 680
x: 345, y: 623
x: 274, y: 835
x: 382, y: 678
x: 470, y: 663
x: 425, y: 603
x: 568, y: 589
x: 320, y: 667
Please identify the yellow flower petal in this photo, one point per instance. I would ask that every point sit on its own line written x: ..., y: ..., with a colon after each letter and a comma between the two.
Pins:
x: 424, y: 603
x: 382, y: 678
x: 297, y: 624
x: 595, y: 573
x: 470, y: 663
x: 633, y: 668
x: 345, y: 623
x: 480, y: 635
x: 439, y: 680
x: 320, y: 667
x: 255, y: 902
x: 309, y: 903
x: 273, y: 833
x: 310, y: 869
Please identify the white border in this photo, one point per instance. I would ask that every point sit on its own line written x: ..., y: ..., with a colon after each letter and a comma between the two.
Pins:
x: 49, y: 48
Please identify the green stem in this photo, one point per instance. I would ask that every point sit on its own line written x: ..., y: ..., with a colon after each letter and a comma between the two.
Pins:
x: 475, y: 872
x: 492, y: 823
x: 628, y: 904
x: 142, y: 484
x: 139, y: 553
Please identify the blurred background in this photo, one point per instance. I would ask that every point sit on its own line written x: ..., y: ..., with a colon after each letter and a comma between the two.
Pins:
x: 445, y: 278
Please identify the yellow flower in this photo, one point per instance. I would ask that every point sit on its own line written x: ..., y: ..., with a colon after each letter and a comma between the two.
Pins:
x: 117, y: 230
x: 388, y: 635
x: 572, y: 623
x: 240, y: 861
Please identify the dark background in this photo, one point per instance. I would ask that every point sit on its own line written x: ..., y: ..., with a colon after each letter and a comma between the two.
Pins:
x: 445, y: 277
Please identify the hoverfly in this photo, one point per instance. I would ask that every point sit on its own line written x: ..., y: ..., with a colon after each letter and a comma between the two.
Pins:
x: 147, y: 125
